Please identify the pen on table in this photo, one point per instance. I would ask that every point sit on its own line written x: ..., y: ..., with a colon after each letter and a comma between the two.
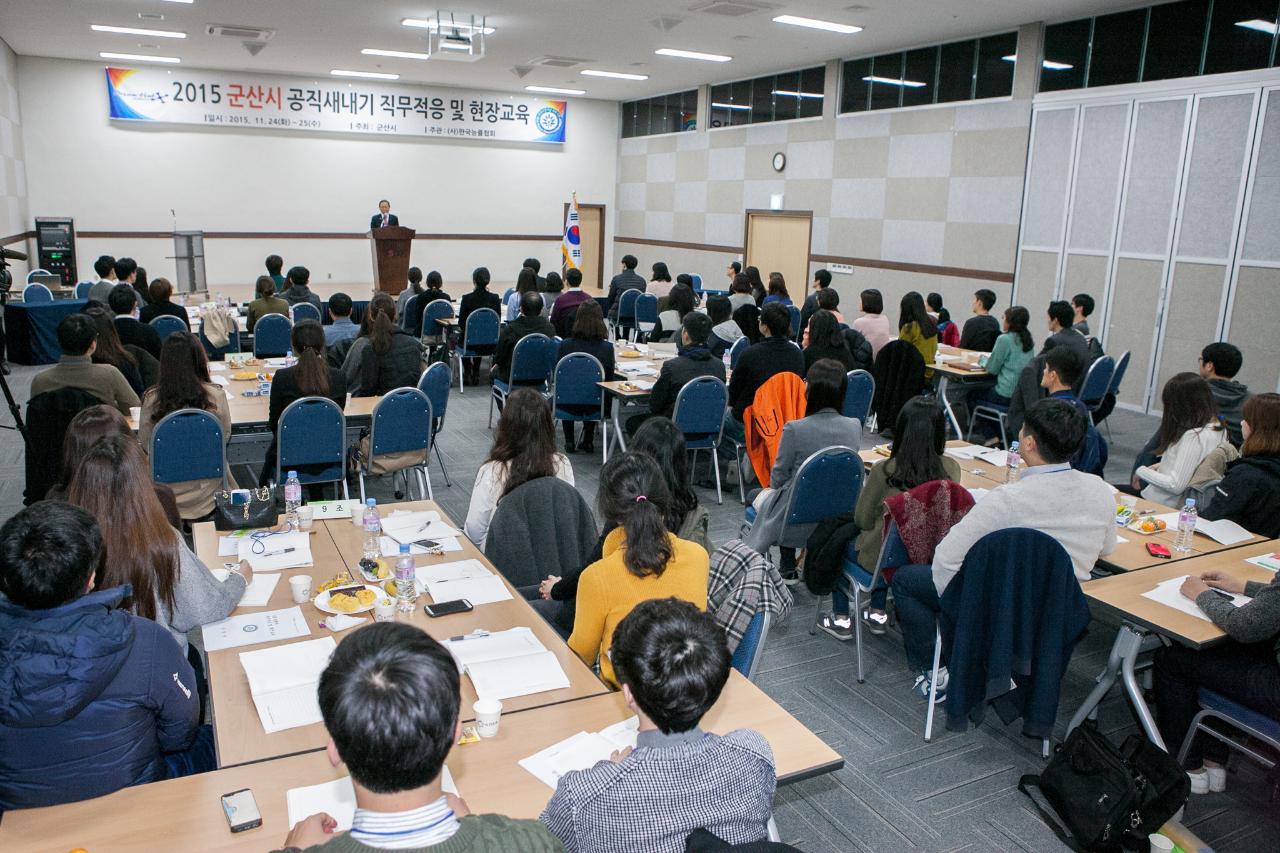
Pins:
x: 474, y: 635
x: 278, y: 553
x: 1228, y: 596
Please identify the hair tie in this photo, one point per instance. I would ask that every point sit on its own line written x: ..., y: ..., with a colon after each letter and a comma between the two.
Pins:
x: 641, y: 498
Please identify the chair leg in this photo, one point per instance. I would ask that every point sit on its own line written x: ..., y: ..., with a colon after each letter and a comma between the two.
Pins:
x: 424, y: 477
x: 973, y: 416
x: 1004, y: 438
x: 933, y: 686
x: 443, y: 470
x: 855, y: 613
x: 492, y: 394
x: 817, y: 614
x: 1044, y: 748
x: 346, y: 492
x: 742, y: 486
x: 604, y: 440
x: 361, y: 488
x: 715, y: 466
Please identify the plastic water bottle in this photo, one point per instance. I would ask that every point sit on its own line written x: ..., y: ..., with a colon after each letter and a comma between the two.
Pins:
x: 372, y: 530
x: 289, y: 360
x: 1186, y: 526
x: 292, y: 499
x: 406, y: 583
x: 1013, y: 460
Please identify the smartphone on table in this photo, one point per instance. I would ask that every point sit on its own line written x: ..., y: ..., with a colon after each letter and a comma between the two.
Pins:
x: 241, y: 810
x: 1155, y: 549
x: 447, y: 608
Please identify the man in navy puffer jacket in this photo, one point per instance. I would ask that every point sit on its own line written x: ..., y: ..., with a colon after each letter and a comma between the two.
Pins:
x: 91, y: 696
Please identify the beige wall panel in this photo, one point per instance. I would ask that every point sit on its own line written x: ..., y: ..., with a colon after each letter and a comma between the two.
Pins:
x: 1191, y: 318
x: 981, y: 153
x: 632, y: 170
x: 724, y: 197
x: 1037, y: 279
x: 1135, y: 291
x: 811, y: 131
x: 630, y: 224
x: 980, y: 246
x: 760, y: 162
x: 812, y: 195
x: 861, y: 158
x: 659, y: 198
x: 691, y: 165
x: 922, y: 121
x: 664, y: 143
x: 916, y: 198
x: 691, y: 227
x: 1085, y: 274
x: 728, y: 137
x: 1253, y: 327
x: 855, y: 238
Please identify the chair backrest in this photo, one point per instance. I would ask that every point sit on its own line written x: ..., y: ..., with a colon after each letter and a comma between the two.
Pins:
x: 576, y: 378
x: 697, y: 283
x: 35, y: 272
x: 271, y: 335
x: 746, y: 658
x: 233, y: 342
x: 858, y: 396
x: 82, y: 289
x: 735, y: 351
x: 166, y: 324
x: 437, y: 309
x: 627, y: 305
x: 699, y: 411
x: 795, y: 320
x: 506, y: 295
x: 533, y: 360
x: 36, y: 292
x: 646, y: 308
x: 187, y: 445
x: 304, y: 311
x: 1097, y: 381
x: 410, y: 308
x: 827, y: 484
x: 311, y: 439
x: 434, y: 382
x: 482, y: 328
x: 1122, y: 364
x: 401, y: 422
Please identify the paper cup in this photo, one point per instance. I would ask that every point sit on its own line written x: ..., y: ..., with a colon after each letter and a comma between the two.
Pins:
x: 135, y: 412
x: 1130, y: 501
x: 488, y: 712
x: 300, y: 587
x: 1160, y: 843
x: 306, y: 517
x: 384, y: 610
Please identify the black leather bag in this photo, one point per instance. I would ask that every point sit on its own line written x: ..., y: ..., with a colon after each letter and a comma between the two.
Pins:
x: 1109, y: 798
x: 260, y: 511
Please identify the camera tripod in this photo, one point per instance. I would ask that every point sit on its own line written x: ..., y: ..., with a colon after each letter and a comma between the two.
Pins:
x: 6, y: 282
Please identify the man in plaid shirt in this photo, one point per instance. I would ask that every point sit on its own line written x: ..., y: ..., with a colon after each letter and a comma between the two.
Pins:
x: 672, y: 662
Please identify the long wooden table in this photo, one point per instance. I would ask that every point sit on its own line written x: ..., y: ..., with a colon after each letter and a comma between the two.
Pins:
x: 626, y: 394
x: 187, y: 812
x: 954, y: 370
x: 335, y: 546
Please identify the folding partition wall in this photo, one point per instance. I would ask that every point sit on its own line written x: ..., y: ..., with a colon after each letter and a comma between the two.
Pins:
x: 1162, y: 204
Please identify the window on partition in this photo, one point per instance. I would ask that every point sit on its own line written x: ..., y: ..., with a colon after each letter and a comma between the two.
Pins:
x: 1116, y: 55
x: 775, y: 97
x: 854, y: 88
x: 1175, y: 38
x: 955, y: 71
x: 662, y: 114
x: 960, y: 71
x: 1066, y: 54
x: 1240, y: 36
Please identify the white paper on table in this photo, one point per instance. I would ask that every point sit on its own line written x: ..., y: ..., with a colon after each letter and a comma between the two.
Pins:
x: 644, y: 371
x: 1167, y: 593
x: 219, y: 380
x: 413, y: 526
x: 249, y: 629
x: 943, y: 358
x: 1270, y: 562
x: 1222, y: 531
x: 230, y: 396
x: 579, y: 752
x: 498, y: 645
x: 622, y: 734
x: 271, y: 559
x: 631, y: 365
x: 1121, y: 540
x: 643, y: 385
x: 259, y: 590
x: 486, y: 590
x: 229, y: 546
x: 338, y: 800
x: 391, y: 548
x: 217, y: 367
x: 283, y: 681
x: 997, y: 457
x: 520, y: 676
x: 452, y: 571
x: 968, y: 451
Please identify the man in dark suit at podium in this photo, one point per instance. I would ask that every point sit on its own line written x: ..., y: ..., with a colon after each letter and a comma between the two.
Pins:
x: 384, y: 217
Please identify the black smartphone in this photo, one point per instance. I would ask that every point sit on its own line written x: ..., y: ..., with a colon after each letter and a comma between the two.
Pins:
x: 241, y: 810
x: 447, y: 608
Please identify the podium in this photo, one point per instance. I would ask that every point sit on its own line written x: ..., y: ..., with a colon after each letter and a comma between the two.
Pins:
x: 391, y: 258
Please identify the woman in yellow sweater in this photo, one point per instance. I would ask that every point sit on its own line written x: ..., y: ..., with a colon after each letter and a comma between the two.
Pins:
x: 917, y: 328
x: 642, y: 560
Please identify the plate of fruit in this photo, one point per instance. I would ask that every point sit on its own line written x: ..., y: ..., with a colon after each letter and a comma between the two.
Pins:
x: 375, y: 571
x: 1147, y: 525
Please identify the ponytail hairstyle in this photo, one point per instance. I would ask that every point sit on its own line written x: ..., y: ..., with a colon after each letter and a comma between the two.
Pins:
x: 1017, y: 319
x: 312, y: 373
x: 634, y: 496
x: 415, y: 279
x: 379, y: 323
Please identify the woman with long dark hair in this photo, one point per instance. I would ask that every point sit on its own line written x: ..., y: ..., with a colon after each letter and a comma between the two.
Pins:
x: 184, y: 383
x: 777, y: 291
x: 1189, y: 430
x: 1013, y: 351
x: 826, y: 340
x: 680, y: 302
x: 111, y: 351
x: 1249, y: 493
x: 916, y: 457
x: 310, y: 377
x: 758, y: 289
x: 479, y: 297
x: 383, y: 357
x: 414, y: 289
x: 917, y: 328
x: 660, y: 439
x: 526, y: 281
x: 591, y: 336
x: 641, y: 558
x: 524, y: 449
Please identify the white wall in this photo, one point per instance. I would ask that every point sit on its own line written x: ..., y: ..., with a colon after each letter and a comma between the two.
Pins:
x: 122, y: 177
x: 13, y: 176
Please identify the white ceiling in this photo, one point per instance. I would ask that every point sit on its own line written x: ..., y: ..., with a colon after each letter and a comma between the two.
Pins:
x: 314, y: 36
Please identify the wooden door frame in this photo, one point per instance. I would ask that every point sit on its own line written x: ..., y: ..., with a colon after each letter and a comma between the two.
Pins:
x: 796, y: 214
x: 600, y: 207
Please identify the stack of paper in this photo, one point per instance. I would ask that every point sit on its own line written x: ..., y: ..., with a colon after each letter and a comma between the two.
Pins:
x: 583, y: 750
x: 968, y: 451
x: 249, y: 629
x: 276, y: 551
x: 338, y: 800
x: 1223, y: 531
x: 507, y: 664
x: 283, y: 682
x: 467, y: 579
x: 1168, y: 594
x: 391, y: 548
x: 259, y: 590
x: 409, y: 527
x: 994, y: 455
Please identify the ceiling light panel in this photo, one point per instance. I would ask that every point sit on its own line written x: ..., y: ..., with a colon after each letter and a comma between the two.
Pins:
x: 554, y: 90
x: 815, y: 24
x: 137, y: 31
x: 449, y: 26
x: 889, y: 81
x: 372, y: 75
x: 139, y: 57
x: 616, y: 75
x: 692, y: 54
x: 394, y: 54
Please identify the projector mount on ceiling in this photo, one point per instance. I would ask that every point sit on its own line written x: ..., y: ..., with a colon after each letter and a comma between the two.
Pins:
x: 457, y: 38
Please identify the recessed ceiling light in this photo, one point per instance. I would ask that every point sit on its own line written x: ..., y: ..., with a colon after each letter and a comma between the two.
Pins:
x: 430, y: 24
x: 815, y: 24
x: 1049, y: 64
x: 692, y: 54
x: 1268, y: 27
x: 397, y: 54
x: 910, y: 84
x: 372, y: 75
x: 137, y: 31
x: 139, y: 57
x: 730, y: 106
x: 785, y: 93
x: 188, y: 2
x: 618, y: 75
x: 553, y: 90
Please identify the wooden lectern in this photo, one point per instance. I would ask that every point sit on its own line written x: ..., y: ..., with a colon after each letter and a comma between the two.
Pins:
x: 391, y: 258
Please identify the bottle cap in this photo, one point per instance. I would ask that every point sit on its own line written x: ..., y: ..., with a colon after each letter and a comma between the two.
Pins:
x: 1191, y: 502
x: 293, y: 475
x: 404, y: 548
x: 371, y: 502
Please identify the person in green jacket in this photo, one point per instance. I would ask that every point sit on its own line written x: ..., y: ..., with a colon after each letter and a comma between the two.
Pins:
x: 1013, y: 351
x: 389, y: 698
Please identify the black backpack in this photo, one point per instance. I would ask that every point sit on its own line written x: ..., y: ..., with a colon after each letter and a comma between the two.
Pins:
x: 824, y: 552
x: 1110, y: 798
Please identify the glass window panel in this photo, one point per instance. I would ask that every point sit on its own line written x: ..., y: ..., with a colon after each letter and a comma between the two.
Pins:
x: 720, y: 95
x: 642, y: 118
x: 1117, y: 49
x: 995, y: 73
x: 1233, y: 47
x: 921, y: 66
x: 1175, y: 36
x: 955, y: 71
x: 1065, y: 45
x: 761, y: 99
x: 812, y: 82
x: 740, y: 97
x: 886, y: 95
x: 629, y: 120
x: 689, y: 108
x: 853, y: 88
x: 785, y: 106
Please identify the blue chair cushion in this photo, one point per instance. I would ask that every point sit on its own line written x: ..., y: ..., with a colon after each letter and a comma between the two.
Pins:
x: 1236, y: 711
x: 751, y: 513
x: 500, y: 385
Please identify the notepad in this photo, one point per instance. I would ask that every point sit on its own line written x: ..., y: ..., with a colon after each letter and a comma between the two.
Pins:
x: 1168, y: 594
x: 452, y: 571
x: 229, y: 545
x: 581, y: 751
x: 508, y: 663
x: 338, y: 800
x: 276, y: 551
x: 411, y: 526
x: 1222, y: 531
x: 249, y: 629
x: 643, y: 384
x: 259, y: 590
x: 968, y: 451
x: 486, y: 590
x: 391, y: 548
x: 283, y: 682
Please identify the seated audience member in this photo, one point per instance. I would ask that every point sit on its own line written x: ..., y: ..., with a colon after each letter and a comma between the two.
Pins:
x: 96, y: 698
x: 1243, y: 669
x: 104, y: 269
x: 873, y: 324
x: 1075, y: 508
x: 1012, y: 351
x: 160, y: 292
x: 110, y: 351
x: 170, y: 584
x: 821, y: 282
x: 340, y: 327
x: 567, y: 303
x: 758, y: 290
x: 1249, y: 493
x: 775, y: 353
x: 536, y: 265
x: 478, y: 298
x: 127, y: 273
x: 680, y: 301
x: 390, y: 701
x: 78, y: 338
x: 626, y: 280
x: 829, y: 300
x: 777, y: 291
x: 1027, y: 390
x: 591, y: 337
x: 672, y: 662
x: 526, y: 282
x: 740, y: 292
x: 916, y: 457
x: 530, y: 322
x: 724, y: 332
x: 123, y: 303
x: 917, y: 328
x: 734, y: 268
x: 1062, y: 372
x: 383, y: 357
x: 1189, y: 431
x: 747, y: 319
x: 660, y: 282
x: 981, y: 330
x: 1081, y: 307
x: 1062, y: 333
x: 694, y: 359
x: 947, y: 332
x: 825, y: 340
x: 641, y: 559
x: 275, y: 266
x: 299, y: 289
x: 312, y: 376
x: 266, y: 302
x: 185, y: 384
x: 554, y: 287
x: 415, y: 288
x: 435, y: 289
x: 821, y: 427
x: 524, y: 449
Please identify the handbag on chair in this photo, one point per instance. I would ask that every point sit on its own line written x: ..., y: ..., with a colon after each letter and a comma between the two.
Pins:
x: 232, y: 512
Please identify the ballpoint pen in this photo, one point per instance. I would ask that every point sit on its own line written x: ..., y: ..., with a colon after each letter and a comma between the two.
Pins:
x: 278, y: 553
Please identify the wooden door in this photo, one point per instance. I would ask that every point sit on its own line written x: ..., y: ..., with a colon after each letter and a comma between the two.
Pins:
x: 778, y: 241
x: 591, y: 231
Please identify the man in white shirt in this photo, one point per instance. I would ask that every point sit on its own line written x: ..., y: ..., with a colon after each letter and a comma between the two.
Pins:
x: 1075, y: 508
